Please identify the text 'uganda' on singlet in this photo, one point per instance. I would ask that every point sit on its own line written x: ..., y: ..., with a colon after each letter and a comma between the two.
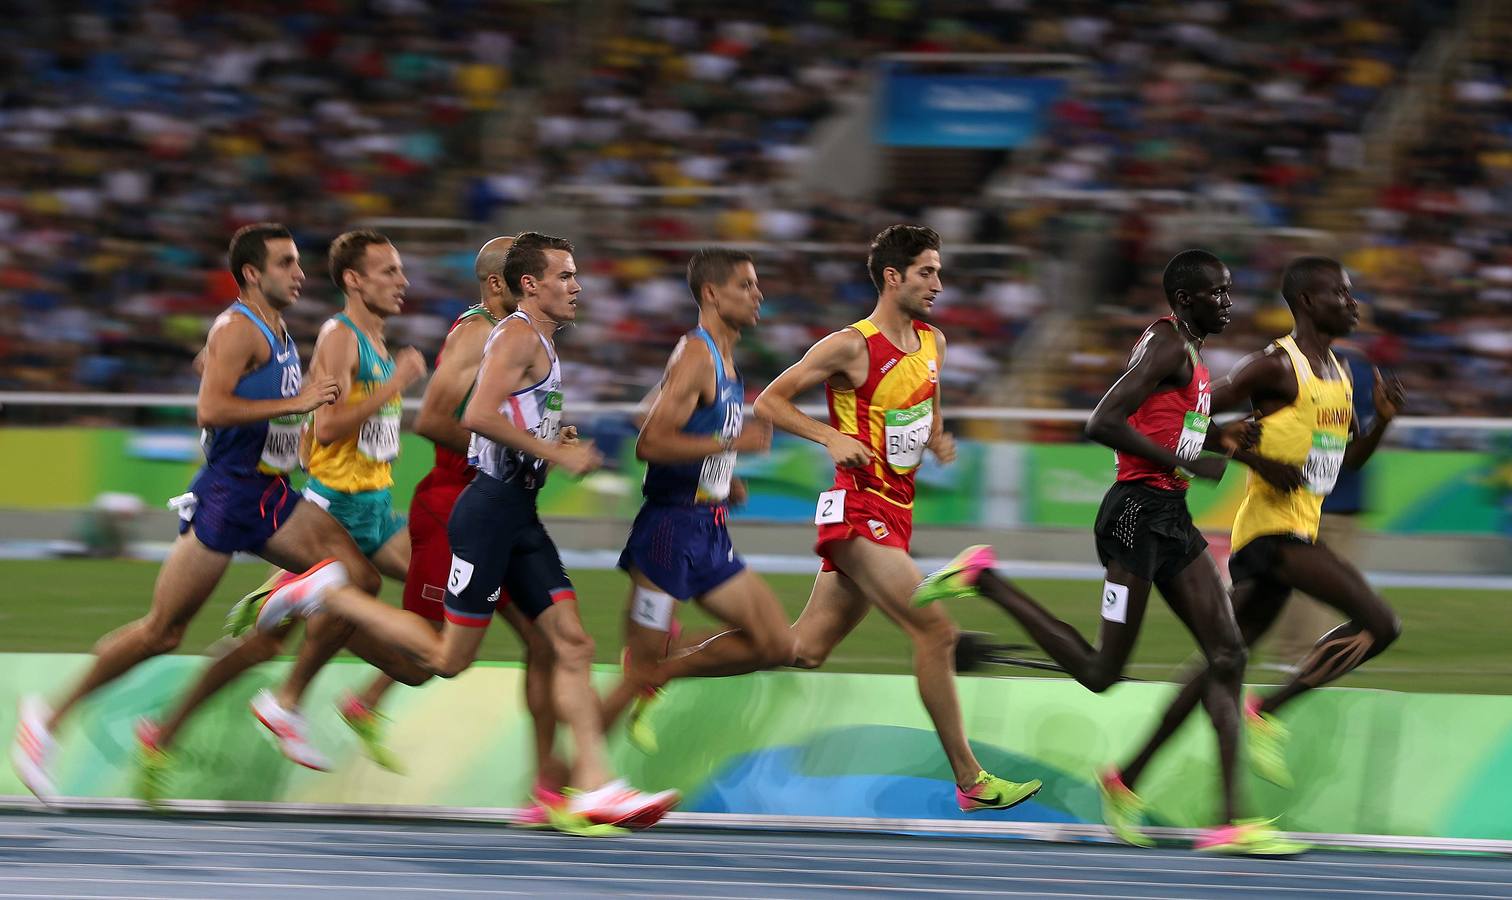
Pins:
x: 892, y: 412
x: 1311, y: 433
x: 1174, y: 418
x: 448, y: 460
x: 708, y: 480
x: 363, y: 461
x: 536, y: 409
x: 270, y: 447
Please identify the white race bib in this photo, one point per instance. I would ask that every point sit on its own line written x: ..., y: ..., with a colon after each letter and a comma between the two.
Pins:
x: 831, y: 508
x: 378, y: 438
x: 907, y: 431
x: 1321, y: 468
x: 715, y: 476
x: 1194, y: 429
x: 551, y: 418
x: 280, y: 451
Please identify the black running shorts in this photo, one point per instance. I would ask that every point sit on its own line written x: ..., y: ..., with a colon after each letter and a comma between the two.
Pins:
x: 498, y: 541
x: 1147, y: 530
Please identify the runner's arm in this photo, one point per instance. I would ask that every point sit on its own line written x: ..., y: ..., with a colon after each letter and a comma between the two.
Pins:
x: 454, y: 377
x: 662, y: 439
x: 1256, y: 379
x: 941, y: 442
x: 1389, y: 396
x: 1159, y: 356
x: 834, y: 355
x: 231, y: 350
x: 507, y: 358
x: 336, y: 355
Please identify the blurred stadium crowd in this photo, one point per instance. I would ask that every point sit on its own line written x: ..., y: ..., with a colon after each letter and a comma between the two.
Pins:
x: 139, y: 135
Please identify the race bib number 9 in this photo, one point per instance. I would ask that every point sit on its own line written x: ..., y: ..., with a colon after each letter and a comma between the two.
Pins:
x: 1194, y: 429
x: 907, y: 431
x: 1321, y: 468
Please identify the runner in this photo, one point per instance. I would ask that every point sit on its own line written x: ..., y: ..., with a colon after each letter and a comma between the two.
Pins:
x: 497, y: 540
x: 679, y: 548
x: 252, y: 404
x: 1304, y: 397
x: 881, y: 377
x: 1156, y: 418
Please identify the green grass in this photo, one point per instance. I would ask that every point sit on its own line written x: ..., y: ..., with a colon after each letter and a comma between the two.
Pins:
x: 1453, y: 640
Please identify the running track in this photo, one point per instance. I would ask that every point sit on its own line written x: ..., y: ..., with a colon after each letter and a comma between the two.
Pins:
x: 92, y: 855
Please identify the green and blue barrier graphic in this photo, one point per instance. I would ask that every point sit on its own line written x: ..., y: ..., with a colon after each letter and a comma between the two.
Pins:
x: 804, y: 743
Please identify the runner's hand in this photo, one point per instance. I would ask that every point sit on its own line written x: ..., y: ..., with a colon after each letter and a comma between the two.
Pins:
x: 577, y: 458
x: 739, y: 493
x: 568, y: 436
x: 847, y: 452
x: 943, y: 446
x: 318, y: 392
x: 1209, y: 468
x: 1389, y: 396
x: 409, y: 366
x: 1279, y: 475
x: 755, y: 437
x: 1240, y: 435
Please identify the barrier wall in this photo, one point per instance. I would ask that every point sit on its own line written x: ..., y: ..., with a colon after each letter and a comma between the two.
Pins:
x: 801, y: 743
x: 991, y: 484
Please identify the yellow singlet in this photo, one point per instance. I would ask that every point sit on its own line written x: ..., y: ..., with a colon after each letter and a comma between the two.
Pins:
x: 1310, y: 433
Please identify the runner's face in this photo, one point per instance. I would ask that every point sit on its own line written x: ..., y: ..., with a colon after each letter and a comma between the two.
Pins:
x: 738, y: 300
x: 379, y: 282
x: 1210, y: 307
x: 920, y: 285
x: 1332, y: 304
x: 281, y: 279
x: 557, y: 289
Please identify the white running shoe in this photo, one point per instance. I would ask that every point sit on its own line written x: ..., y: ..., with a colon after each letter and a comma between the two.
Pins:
x: 291, y: 730
x: 300, y: 597
x: 34, y: 747
x: 617, y: 803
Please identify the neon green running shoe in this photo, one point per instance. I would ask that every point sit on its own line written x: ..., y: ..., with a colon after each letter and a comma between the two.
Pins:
x: 1266, y: 736
x: 638, y: 724
x: 153, y: 765
x: 956, y: 578
x: 992, y: 792
x: 243, y: 614
x: 1248, y: 837
x: 369, y: 725
x: 1123, y: 810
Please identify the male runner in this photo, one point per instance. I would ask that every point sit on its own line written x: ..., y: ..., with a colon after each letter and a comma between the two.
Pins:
x: 252, y: 406
x: 679, y: 547
x: 881, y: 377
x: 1304, y: 397
x: 1156, y: 418
x: 353, y: 446
x: 440, y: 422
x: 497, y: 539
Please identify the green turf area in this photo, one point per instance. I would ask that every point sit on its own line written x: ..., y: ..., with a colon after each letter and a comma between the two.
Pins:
x: 1453, y: 640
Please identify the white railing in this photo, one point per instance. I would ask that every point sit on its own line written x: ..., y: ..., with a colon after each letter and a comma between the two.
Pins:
x: 53, y: 399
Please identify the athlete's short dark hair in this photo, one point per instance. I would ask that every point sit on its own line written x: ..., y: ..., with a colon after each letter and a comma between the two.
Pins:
x: 1302, y: 274
x: 1186, y: 272
x: 527, y: 256
x: 896, y: 247
x: 249, y: 247
x: 348, y: 250
x: 713, y: 265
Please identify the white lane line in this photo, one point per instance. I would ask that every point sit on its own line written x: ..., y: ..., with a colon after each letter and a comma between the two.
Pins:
x: 572, y: 879
x: 643, y: 863
x: 681, y: 845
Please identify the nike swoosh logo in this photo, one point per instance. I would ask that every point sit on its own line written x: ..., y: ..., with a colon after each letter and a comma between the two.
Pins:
x: 284, y: 356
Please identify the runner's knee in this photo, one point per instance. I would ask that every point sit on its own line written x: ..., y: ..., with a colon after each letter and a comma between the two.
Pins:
x: 161, y: 637
x: 938, y: 637
x: 778, y: 649
x: 573, y: 648
x: 1387, y: 631
x: 1227, y: 662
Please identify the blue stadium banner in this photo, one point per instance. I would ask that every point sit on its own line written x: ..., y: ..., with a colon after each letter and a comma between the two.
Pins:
x: 963, y: 110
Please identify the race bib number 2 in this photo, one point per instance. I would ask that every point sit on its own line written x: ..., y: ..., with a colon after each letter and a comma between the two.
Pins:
x: 831, y: 508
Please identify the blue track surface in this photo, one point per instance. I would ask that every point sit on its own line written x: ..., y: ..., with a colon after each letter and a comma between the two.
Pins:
x: 135, y: 856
